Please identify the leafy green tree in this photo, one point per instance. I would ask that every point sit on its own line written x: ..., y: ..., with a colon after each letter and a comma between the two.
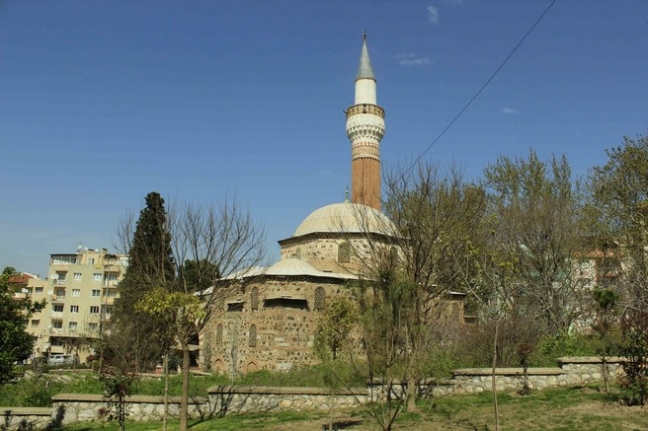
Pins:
x: 334, y: 328
x: 619, y: 213
x: 175, y: 315
x: 537, y: 207
x: 16, y: 344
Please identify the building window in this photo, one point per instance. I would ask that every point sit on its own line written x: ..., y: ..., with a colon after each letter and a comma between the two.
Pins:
x: 60, y: 277
x: 35, y: 323
x: 57, y: 324
x: 77, y: 276
x: 109, y: 309
x: 253, y: 336
x: 38, y: 291
x: 320, y: 298
x: 254, y: 299
x: 57, y: 308
x: 97, y: 276
x: 91, y: 261
x: 219, y: 335
x: 76, y: 292
x: 72, y: 326
x: 344, y: 252
x: 96, y: 293
x: 298, y: 253
x: 111, y: 293
x: 74, y: 309
x: 94, y: 309
x: 93, y: 327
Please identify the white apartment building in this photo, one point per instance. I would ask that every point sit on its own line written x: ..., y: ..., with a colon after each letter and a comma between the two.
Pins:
x: 80, y: 291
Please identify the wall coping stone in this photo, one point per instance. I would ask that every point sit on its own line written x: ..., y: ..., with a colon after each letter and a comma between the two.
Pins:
x: 283, y: 390
x: 590, y: 359
x: 508, y: 371
x: 26, y: 411
x: 129, y: 399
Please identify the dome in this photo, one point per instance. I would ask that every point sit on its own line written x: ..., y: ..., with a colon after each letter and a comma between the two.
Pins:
x: 345, y: 217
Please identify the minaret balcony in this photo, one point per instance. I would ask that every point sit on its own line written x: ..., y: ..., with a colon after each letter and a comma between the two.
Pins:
x: 365, y: 108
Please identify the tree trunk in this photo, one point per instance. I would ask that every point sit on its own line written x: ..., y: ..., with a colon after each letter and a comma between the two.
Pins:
x: 165, y: 370
x: 493, y: 380
x: 184, y: 401
x: 411, y: 394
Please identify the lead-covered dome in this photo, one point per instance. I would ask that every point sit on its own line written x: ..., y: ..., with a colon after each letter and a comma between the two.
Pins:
x: 345, y: 217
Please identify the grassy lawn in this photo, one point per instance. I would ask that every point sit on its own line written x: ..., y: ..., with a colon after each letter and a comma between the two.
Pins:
x: 566, y: 409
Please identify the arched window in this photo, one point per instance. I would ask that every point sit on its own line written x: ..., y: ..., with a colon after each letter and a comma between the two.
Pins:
x: 320, y: 298
x: 254, y: 299
x: 344, y: 252
x: 298, y: 253
x: 219, y: 334
x: 253, y: 336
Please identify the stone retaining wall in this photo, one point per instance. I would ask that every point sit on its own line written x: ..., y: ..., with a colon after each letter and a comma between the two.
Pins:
x: 14, y: 418
x: 224, y: 400
x: 237, y: 399
x: 90, y: 408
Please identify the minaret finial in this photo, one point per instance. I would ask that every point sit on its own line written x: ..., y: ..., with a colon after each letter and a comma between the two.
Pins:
x: 346, y: 195
x: 364, y: 34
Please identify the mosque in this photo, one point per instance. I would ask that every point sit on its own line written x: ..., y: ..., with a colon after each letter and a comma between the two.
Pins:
x: 270, y: 320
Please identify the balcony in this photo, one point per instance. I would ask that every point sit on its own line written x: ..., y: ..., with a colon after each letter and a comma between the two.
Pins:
x: 56, y: 315
x: 57, y: 298
x: 108, y: 300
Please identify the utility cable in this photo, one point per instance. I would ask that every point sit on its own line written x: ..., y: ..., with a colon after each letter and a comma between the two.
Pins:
x: 472, y: 99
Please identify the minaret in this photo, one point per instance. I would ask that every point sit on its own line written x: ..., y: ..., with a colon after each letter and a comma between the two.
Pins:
x: 365, y: 127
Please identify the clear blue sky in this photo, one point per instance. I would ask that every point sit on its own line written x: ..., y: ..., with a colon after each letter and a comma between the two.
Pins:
x: 102, y: 102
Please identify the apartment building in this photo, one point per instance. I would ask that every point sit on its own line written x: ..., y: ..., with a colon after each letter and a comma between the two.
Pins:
x: 80, y: 291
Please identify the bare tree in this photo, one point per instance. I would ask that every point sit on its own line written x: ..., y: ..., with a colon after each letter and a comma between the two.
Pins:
x: 219, y: 240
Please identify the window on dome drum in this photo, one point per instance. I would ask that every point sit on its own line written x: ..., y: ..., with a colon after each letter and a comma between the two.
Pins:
x: 254, y: 299
x: 235, y: 306
x: 298, y: 253
x: 219, y: 334
x: 320, y: 298
x: 253, y: 336
x: 344, y: 252
x: 296, y: 304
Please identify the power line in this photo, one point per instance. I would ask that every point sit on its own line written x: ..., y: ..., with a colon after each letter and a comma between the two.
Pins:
x: 472, y: 99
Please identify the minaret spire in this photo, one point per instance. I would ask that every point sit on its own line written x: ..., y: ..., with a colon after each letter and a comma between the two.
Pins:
x: 365, y: 128
x: 364, y: 70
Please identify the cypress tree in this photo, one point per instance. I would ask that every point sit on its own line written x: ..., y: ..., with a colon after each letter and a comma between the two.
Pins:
x: 151, y: 265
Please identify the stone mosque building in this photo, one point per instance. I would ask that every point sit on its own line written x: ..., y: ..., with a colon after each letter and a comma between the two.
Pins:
x: 270, y: 321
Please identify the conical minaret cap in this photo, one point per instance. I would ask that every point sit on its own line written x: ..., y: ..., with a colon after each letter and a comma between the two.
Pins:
x: 364, y: 70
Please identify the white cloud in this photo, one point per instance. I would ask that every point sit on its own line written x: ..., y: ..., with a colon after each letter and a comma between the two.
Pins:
x: 412, y: 60
x: 433, y: 14
x: 509, y: 111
